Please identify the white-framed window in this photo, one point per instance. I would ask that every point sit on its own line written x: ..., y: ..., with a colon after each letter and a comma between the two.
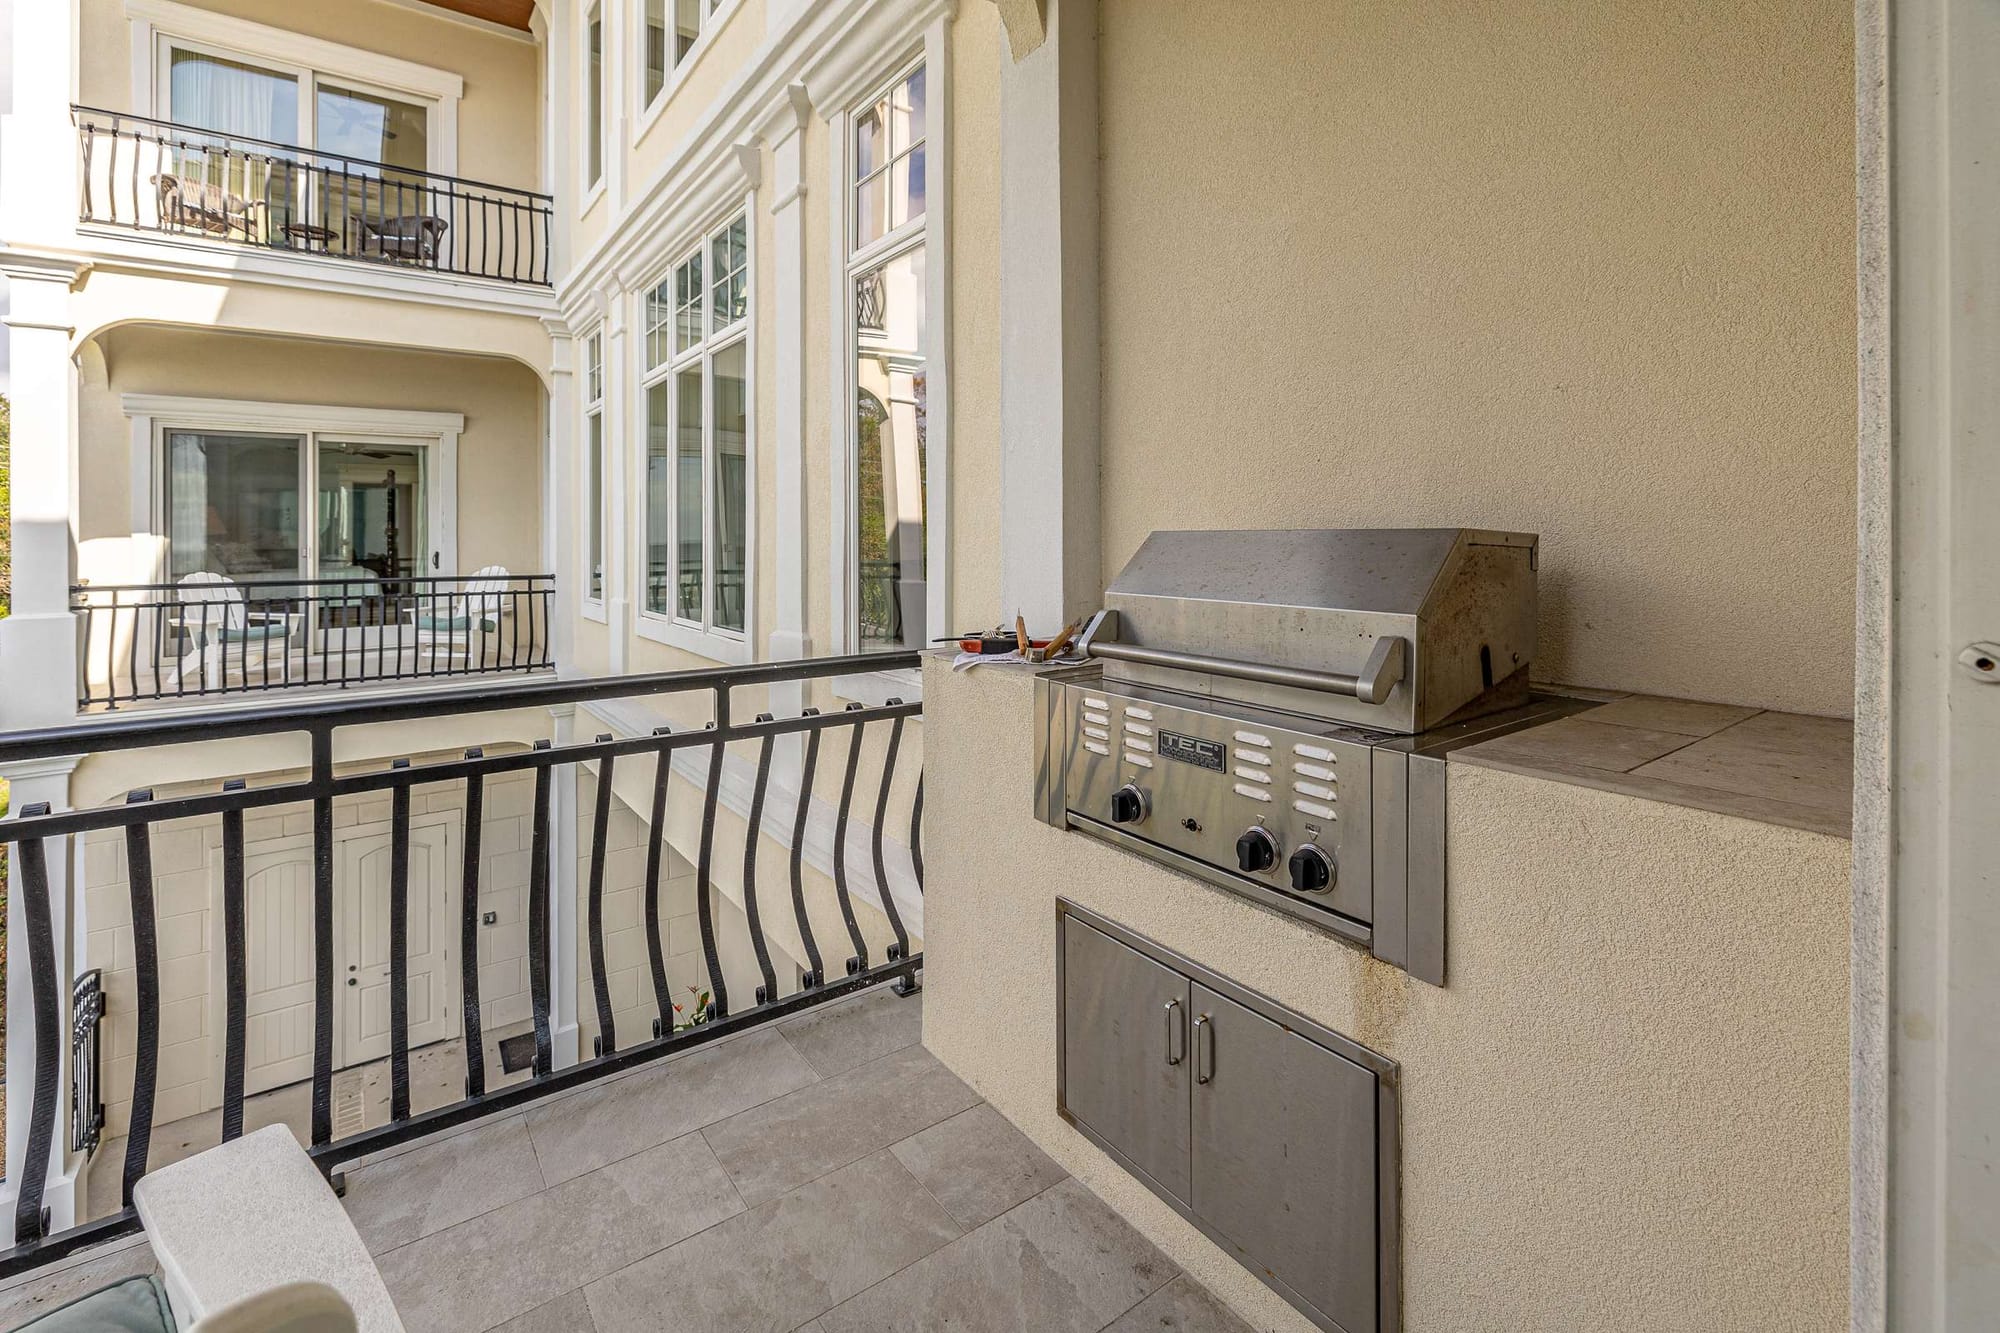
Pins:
x: 229, y: 93
x: 673, y: 30
x: 593, y: 99
x: 237, y: 78
x: 890, y: 339
x: 593, y: 432
x: 263, y: 492
x: 696, y: 405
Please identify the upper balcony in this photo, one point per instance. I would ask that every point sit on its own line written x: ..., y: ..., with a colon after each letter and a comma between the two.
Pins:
x: 209, y: 188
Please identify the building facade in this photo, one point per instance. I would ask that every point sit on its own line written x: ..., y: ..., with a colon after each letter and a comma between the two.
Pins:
x: 383, y: 345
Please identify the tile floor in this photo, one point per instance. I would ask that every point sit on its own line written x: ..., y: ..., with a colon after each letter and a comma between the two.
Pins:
x: 360, y: 1101
x: 825, y: 1175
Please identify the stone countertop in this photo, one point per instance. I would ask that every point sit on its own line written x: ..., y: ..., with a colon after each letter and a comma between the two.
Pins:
x: 1780, y: 768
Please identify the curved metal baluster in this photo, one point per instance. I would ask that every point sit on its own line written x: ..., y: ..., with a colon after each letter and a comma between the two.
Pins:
x: 399, y: 948
x: 538, y: 921
x: 818, y: 972
x: 901, y: 948
x: 146, y: 957
x: 235, y: 1016
x: 705, y: 912
x: 753, y: 834
x: 600, y: 984
x: 656, y: 842
x: 40, y: 919
x: 468, y: 932
x: 854, y: 737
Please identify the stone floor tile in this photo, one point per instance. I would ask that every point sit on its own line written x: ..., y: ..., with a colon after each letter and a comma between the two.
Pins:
x: 442, y: 1184
x: 1062, y: 1262
x: 505, y: 1263
x: 568, y: 1313
x: 786, y: 1142
x: 1182, y: 1306
x: 590, y: 1129
x: 977, y: 1165
x: 837, y: 1037
x: 778, y: 1265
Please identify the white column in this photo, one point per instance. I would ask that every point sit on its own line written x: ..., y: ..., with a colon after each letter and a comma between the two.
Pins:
x: 785, y: 135
x: 32, y: 783
x: 1049, y: 519
x: 560, y: 503
x: 618, y: 501
x: 1926, y: 919
x: 562, y: 896
x: 38, y: 641
x: 39, y: 191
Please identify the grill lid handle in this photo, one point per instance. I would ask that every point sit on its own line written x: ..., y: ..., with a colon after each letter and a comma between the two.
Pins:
x: 1387, y: 663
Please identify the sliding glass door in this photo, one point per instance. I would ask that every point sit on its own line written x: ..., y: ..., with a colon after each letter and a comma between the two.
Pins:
x: 232, y: 504
x: 263, y: 507
x: 372, y: 516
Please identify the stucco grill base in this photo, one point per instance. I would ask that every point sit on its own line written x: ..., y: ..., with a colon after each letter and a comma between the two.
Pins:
x: 1627, y: 1110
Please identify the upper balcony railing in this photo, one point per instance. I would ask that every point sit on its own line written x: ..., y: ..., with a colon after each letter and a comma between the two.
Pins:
x: 177, y: 180
x: 209, y: 635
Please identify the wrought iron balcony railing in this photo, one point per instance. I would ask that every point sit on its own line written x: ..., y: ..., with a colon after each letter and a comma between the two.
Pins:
x: 208, y: 635
x: 65, y: 1062
x: 177, y: 180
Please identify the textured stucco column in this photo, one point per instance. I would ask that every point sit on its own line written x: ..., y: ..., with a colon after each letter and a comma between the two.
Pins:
x: 38, y: 640
x: 42, y: 781
x: 1049, y: 548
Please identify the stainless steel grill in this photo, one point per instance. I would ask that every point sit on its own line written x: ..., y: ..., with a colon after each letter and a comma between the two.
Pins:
x: 1270, y: 711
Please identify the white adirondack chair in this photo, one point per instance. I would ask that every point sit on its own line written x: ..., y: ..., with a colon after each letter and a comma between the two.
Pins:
x: 223, y: 633
x: 466, y: 624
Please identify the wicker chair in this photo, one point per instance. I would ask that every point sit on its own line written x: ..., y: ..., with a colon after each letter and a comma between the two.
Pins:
x: 187, y: 204
x: 414, y: 238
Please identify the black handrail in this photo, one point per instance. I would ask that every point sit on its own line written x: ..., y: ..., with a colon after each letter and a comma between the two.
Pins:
x: 772, y: 996
x: 305, y: 200
x: 145, y: 642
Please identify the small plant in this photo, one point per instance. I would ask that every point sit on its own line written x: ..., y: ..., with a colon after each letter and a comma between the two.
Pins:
x: 695, y: 1011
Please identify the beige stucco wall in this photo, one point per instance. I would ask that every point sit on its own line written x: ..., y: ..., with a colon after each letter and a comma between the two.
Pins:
x: 499, y: 453
x: 499, y: 116
x: 1579, y: 269
x: 1627, y: 1109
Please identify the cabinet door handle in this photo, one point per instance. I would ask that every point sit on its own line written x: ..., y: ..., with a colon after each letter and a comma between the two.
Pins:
x: 1174, y: 1056
x: 1204, y: 1049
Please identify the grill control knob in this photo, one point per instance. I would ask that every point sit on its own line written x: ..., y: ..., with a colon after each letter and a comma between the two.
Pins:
x: 1312, y: 870
x: 1128, y: 805
x: 1256, y: 850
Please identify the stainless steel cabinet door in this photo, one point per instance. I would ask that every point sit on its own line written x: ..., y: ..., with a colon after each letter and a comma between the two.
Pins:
x: 1125, y: 1054
x: 1285, y: 1156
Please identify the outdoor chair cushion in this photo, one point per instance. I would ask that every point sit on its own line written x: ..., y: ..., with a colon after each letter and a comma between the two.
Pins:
x: 449, y: 624
x: 271, y: 629
x: 136, y: 1305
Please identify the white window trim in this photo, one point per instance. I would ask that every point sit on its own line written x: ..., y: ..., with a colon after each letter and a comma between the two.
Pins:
x: 153, y: 415
x: 728, y: 646
x: 878, y: 687
x: 645, y: 112
x: 155, y: 23
x: 590, y: 191
x: 593, y: 607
